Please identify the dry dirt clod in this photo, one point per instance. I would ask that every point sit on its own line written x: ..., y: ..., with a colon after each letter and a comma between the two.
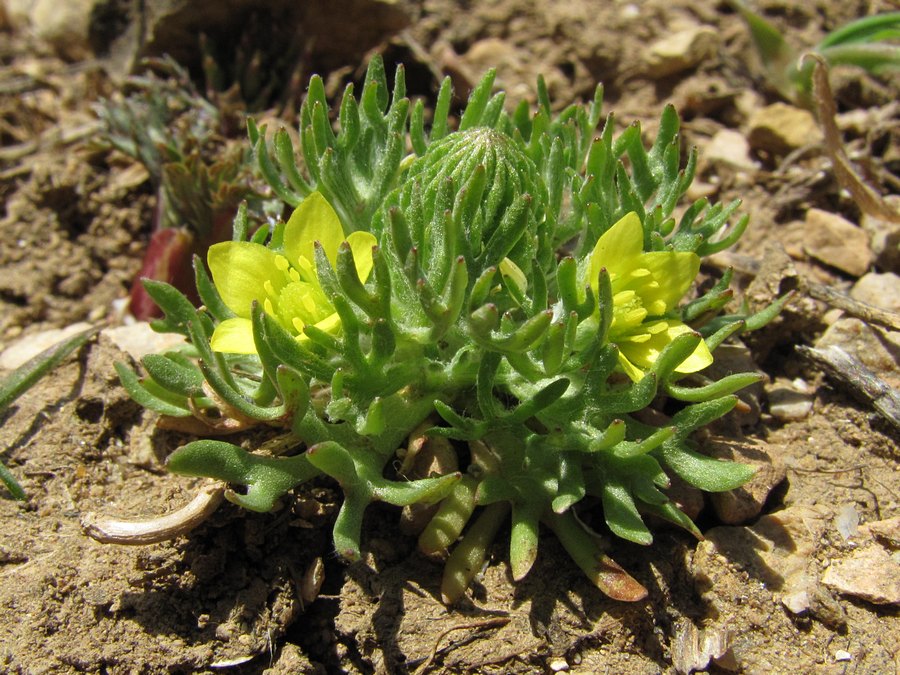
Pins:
x: 837, y: 242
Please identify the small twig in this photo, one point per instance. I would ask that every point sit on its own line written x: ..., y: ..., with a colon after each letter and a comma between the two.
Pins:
x: 868, y: 200
x: 861, y: 310
x: 182, y: 521
x: 486, y: 623
x: 861, y: 381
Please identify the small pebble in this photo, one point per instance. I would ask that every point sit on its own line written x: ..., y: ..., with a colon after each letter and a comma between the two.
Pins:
x: 559, y: 665
x: 847, y: 522
x: 841, y: 655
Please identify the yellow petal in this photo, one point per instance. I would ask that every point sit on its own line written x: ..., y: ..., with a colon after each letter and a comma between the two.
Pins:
x: 361, y: 244
x: 635, y: 373
x: 242, y: 272
x: 674, y: 270
x: 699, y: 359
x: 644, y: 354
x: 330, y: 324
x: 314, y: 220
x: 616, y: 247
x: 234, y: 336
x: 302, y: 301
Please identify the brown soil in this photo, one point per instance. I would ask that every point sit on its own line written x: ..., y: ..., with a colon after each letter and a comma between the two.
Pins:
x: 226, y: 598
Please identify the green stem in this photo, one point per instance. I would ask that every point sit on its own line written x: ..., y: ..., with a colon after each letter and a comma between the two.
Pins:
x: 447, y: 524
x: 603, y: 571
x: 469, y: 555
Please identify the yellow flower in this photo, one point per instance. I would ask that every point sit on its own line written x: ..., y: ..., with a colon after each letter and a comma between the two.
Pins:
x: 646, y: 287
x: 285, y: 282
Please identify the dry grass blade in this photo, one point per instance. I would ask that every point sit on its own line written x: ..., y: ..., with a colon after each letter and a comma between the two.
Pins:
x: 868, y: 200
x: 24, y: 377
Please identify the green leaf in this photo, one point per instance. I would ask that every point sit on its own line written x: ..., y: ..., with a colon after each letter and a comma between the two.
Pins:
x: 706, y: 473
x: 147, y: 398
x: 174, y: 376
x: 266, y: 478
x: 622, y: 516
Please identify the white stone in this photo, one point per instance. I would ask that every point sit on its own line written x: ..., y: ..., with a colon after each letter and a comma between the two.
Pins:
x: 30, y: 346
x: 847, y: 522
x: 559, y: 665
x: 787, y: 404
x: 138, y: 339
x: 730, y: 147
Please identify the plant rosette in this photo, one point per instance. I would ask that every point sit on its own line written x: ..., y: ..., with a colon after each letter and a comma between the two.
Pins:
x: 499, y: 306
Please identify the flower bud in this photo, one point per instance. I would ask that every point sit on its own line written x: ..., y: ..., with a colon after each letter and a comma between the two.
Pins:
x: 491, y: 186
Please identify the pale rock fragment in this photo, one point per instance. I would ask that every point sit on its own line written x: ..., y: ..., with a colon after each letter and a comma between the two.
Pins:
x: 885, y: 237
x: 878, y: 290
x: 693, y: 649
x: 789, y: 402
x: 780, y: 128
x: 847, y: 522
x: 64, y: 25
x: 680, y: 51
x: 837, y: 242
x: 887, y: 531
x: 138, y: 339
x: 779, y: 550
x: 870, y: 574
x: 730, y: 148
x: 876, y: 349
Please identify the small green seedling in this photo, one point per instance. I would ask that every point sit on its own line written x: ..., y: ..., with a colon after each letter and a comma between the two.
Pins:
x: 869, y: 43
x: 24, y: 377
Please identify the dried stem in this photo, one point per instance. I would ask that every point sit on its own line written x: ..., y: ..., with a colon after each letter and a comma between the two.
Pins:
x: 847, y: 176
x: 859, y: 380
x: 182, y: 521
